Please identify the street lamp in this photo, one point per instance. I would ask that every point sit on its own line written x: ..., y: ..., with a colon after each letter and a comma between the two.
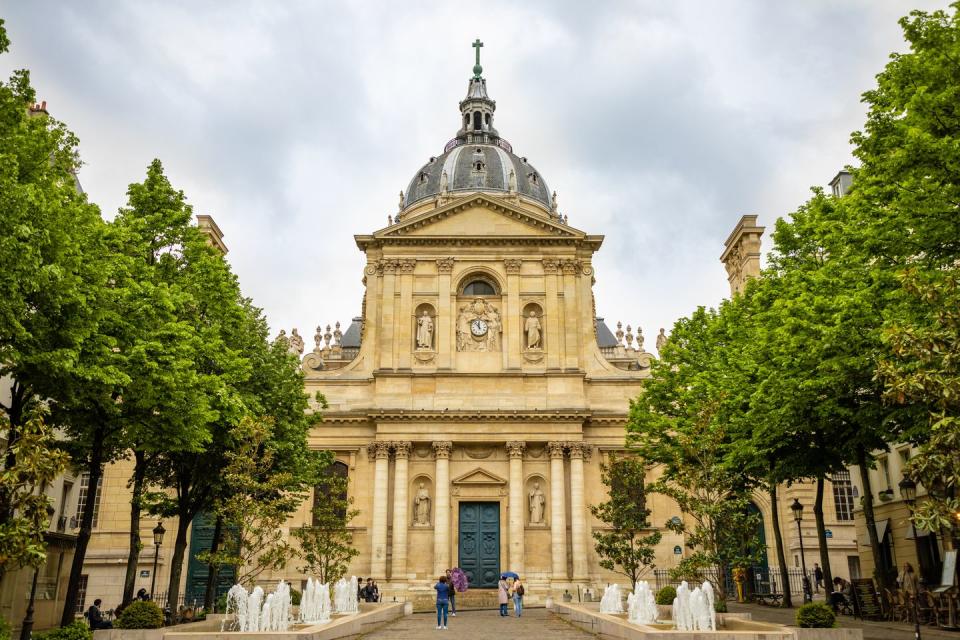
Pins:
x: 26, y: 629
x: 158, y: 532
x: 908, y: 491
x: 797, y: 509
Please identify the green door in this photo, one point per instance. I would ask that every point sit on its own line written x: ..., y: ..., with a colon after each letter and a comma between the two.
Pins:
x: 480, y: 543
x: 201, y: 539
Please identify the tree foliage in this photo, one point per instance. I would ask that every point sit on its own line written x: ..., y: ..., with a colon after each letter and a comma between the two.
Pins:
x: 627, y: 543
x: 326, y: 545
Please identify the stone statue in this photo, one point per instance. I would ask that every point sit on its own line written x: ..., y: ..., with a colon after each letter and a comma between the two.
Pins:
x: 421, y: 507
x: 640, y: 339
x: 553, y: 202
x: 661, y: 339
x: 283, y: 336
x: 478, y: 327
x: 512, y: 181
x: 400, y: 205
x: 537, y: 503
x: 444, y: 179
x: 296, y: 342
x: 318, y: 338
x: 425, y: 331
x: 532, y: 329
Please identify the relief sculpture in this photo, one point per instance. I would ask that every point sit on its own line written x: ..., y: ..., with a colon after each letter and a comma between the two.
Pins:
x: 478, y: 327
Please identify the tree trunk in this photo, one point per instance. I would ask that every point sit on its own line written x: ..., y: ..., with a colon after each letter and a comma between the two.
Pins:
x: 15, y: 420
x: 869, y: 517
x: 822, y: 539
x: 213, y: 569
x: 781, y: 557
x: 176, y: 564
x: 133, y: 555
x: 95, y: 469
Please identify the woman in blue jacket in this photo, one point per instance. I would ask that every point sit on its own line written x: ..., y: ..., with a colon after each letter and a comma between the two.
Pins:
x: 443, y: 589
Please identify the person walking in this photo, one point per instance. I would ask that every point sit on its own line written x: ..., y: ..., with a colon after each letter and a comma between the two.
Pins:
x: 518, y: 591
x: 503, y: 595
x: 443, y: 589
x: 817, y: 576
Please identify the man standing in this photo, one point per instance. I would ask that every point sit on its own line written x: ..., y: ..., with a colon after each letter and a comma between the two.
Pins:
x: 817, y: 576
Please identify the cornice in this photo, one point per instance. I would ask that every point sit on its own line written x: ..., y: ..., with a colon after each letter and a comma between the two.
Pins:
x: 402, y: 415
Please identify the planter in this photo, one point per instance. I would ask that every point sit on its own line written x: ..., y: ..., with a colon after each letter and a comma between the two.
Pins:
x: 664, y: 612
x: 826, y: 634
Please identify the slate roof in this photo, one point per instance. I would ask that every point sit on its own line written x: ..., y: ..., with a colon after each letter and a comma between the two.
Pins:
x: 605, y: 337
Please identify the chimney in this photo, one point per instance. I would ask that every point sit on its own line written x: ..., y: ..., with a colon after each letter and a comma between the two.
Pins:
x: 214, y: 235
x: 741, y: 257
x: 37, y: 109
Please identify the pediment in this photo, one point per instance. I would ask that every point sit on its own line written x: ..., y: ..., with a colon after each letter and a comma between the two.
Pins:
x: 480, y: 214
x: 479, y: 477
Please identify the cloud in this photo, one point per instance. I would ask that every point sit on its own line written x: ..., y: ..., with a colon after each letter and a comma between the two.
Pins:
x: 296, y: 124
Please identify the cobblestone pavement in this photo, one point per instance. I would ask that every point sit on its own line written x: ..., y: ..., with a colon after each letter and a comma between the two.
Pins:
x: 872, y: 630
x: 480, y: 625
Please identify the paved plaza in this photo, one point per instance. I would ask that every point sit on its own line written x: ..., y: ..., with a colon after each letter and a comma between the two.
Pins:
x: 481, y: 625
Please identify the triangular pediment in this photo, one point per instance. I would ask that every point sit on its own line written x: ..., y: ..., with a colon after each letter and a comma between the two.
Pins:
x: 479, y: 476
x: 480, y: 214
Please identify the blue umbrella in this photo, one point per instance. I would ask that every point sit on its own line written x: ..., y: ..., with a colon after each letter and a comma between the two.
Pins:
x: 510, y: 574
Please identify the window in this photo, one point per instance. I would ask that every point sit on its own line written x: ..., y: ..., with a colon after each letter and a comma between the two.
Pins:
x: 883, y: 465
x: 338, y: 483
x: 842, y: 495
x: 82, y: 498
x: 82, y: 595
x: 479, y: 288
x: 477, y: 121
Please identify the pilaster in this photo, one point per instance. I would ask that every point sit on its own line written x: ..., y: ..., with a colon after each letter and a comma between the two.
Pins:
x: 551, y: 267
x: 445, y: 312
x: 388, y: 314
x: 558, y: 518
x: 513, y: 333
x: 579, y: 452
x: 441, y: 531
x: 380, y: 452
x: 516, y: 507
x: 401, y: 453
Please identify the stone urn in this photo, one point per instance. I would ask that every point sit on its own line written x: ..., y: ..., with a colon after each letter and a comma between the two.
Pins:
x: 664, y: 612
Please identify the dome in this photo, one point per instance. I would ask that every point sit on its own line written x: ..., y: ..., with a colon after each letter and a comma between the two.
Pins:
x: 482, y: 166
x: 477, y: 158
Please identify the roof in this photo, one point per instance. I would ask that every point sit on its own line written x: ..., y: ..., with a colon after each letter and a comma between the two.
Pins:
x: 351, y: 337
x: 605, y: 337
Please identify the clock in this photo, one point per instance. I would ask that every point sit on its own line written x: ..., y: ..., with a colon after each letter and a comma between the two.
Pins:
x: 478, y: 328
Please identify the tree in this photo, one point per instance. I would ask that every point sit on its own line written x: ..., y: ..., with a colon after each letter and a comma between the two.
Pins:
x: 256, y: 508
x: 681, y: 422
x: 627, y: 544
x: 39, y: 462
x: 326, y: 546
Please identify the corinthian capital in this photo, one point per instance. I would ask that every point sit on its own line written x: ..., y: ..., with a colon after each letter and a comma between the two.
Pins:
x: 442, y: 448
x: 378, y: 449
x: 401, y: 449
x: 580, y: 450
x: 445, y: 265
x: 515, y: 449
x: 556, y: 449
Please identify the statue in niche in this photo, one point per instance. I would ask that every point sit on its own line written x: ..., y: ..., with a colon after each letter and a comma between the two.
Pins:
x: 478, y: 327
x: 512, y: 181
x: 533, y: 330
x: 296, y: 342
x: 661, y: 339
x: 421, y: 507
x: 537, y: 503
x: 425, y: 331
x: 444, y: 181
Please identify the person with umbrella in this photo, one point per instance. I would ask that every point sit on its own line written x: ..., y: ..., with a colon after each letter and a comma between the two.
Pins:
x: 503, y: 595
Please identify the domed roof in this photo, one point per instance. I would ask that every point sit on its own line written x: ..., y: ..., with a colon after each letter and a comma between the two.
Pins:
x: 478, y: 159
x: 482, y: 166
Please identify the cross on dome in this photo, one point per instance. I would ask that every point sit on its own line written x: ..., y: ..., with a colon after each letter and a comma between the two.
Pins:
x: 477, y: 69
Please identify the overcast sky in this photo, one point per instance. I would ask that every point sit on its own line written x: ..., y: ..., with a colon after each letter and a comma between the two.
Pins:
x: 296, y: 124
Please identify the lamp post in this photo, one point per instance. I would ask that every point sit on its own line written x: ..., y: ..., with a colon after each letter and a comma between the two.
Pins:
x: 908, y: 491
x: 797, y: 509
x: 158, y: 532
x: 26, y: 628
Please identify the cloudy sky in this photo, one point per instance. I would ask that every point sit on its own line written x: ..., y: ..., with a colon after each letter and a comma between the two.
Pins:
x: 295, y: 124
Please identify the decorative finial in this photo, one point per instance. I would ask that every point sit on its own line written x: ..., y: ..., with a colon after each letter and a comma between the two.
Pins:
x: 400, y: 204
x: 477, y: 69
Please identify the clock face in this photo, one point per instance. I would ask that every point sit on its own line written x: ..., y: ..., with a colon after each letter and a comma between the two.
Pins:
x: 478, y: 327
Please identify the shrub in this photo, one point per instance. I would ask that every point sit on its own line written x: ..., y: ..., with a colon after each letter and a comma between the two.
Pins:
x: 142, y: 614
x: 666, y: 595
x: 720, y: 606
x: 77, y: 630
x: 4, y: 629
x: 220, y: 605
x: 816, y: 615
x: 294, y: 597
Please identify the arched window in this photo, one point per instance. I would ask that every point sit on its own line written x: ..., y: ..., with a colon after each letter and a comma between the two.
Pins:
x: 477, y: 121
x: 479, y: 288
x: 486, y: 119
x: 334, y: 486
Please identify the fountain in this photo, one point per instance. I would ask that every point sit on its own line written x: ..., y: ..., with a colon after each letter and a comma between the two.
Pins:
x: 345, y: 596
x: 253, y: 613
x: 694, y: 610
x: 610, y: 602
x: 315, y: 602
x: 641, y: 605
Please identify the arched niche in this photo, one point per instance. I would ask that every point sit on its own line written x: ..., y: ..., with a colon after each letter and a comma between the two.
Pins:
x: 479, y: 320
x: 479, y: 283
x: 536, y: 500
x: 425, y: 328
x: 533, y: 326
x: 422, y: 515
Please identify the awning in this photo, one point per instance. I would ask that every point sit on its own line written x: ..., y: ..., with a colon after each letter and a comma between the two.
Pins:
x: 911, y: 535
x: 882, y: 527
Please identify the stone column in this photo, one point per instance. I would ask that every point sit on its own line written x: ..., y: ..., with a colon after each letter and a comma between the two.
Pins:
x: 441, y: 526
x: 579, y: 451
x: 517, y: 508
x: 558, y: 516
x: 380, y: 452
x: 398, y: 569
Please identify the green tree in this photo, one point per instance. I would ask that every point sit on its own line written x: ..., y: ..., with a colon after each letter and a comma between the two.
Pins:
x: 627, y: 543
x: 326, y: 545
x: 39, y: 462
